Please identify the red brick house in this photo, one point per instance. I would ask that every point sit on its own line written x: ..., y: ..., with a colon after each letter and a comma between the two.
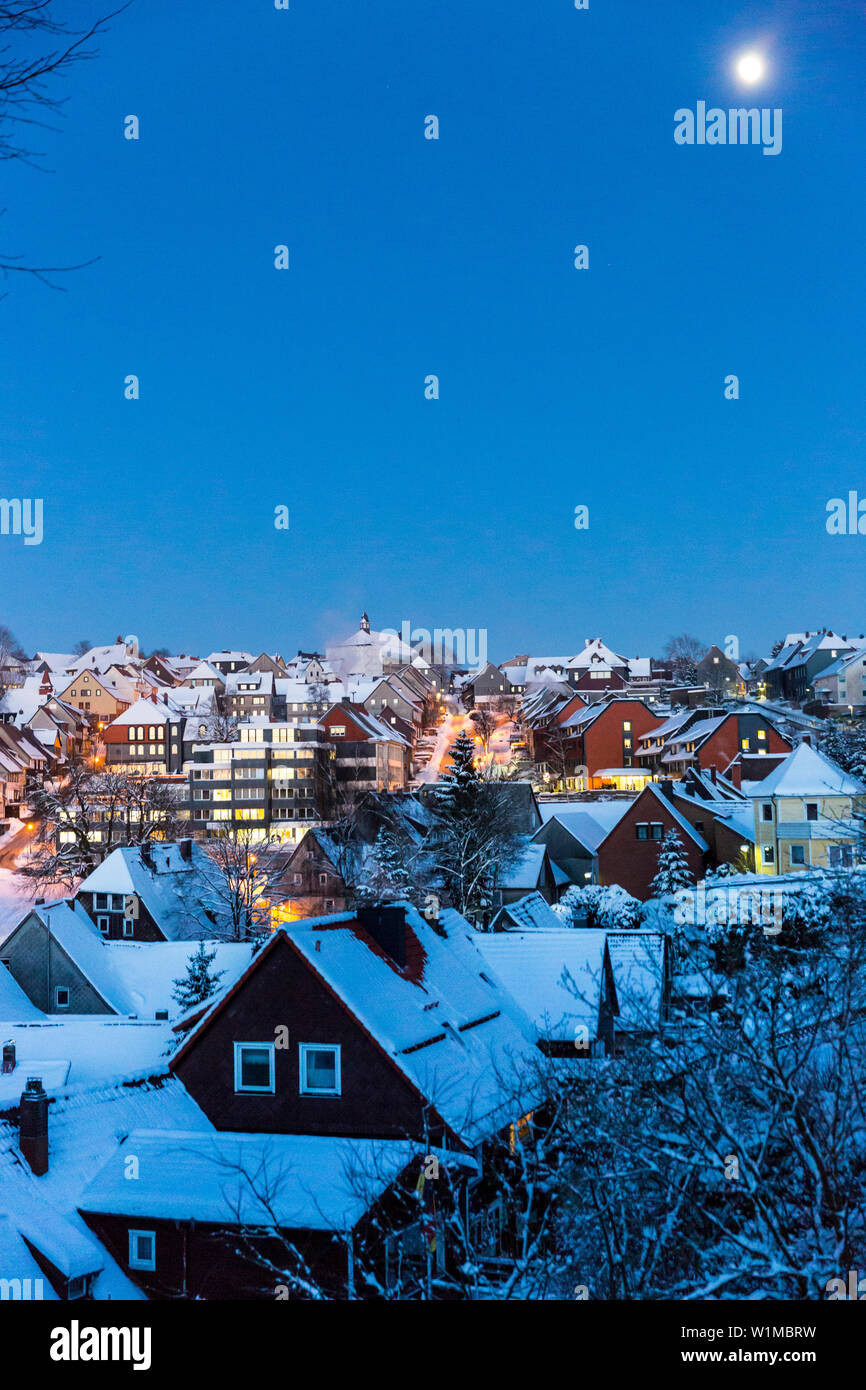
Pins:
x: 716, y: 741
x: 597, y: 737
x: 628, y: 855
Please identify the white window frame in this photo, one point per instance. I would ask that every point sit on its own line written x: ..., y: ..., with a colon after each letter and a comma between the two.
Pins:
x: 135, y: 1261
x: 103, y: 923
x: 57, y: 990
x: 241, y: 1090
x: 128, y: 926
x: 303, y: 1049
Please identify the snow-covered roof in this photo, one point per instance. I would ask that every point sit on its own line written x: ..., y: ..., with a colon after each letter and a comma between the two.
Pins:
x: 14, y: 1004
x: 178, y: 893
x: 420, y: 1014
x: 17, y: 1262
x: 589, y: 822
x: 150, y: 968
x: 204, y: 672
x: 74, y: 1052
x: 526, y: 871
x: 806, y: 772
x: 555, y: 975
x: 315, y: 1182
x: 73, y: 931
x: 684, y: 825
x: 594, y: 654
x: 144, y: 712
x: 83, y: 1133
x: 697, y: 732
x: 530, y: 913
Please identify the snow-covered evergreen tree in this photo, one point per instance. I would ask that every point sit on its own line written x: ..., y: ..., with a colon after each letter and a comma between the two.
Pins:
x: 844, y: 743
x: 673, y: 870
x: 200, y: 982
x: 386, y: 877
x: 459, y: 783
x: 476, y: 835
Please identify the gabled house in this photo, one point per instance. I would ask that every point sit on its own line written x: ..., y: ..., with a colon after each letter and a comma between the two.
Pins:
x: 145, y: 738
x: 392, y: 1032
x: 159, y: 891
x: 716, y: 739
x: 628, y: 855
x: 368, y: 755
x: 808, y: 814
x: 718, y: 673
x: 803, y: 656
x: 227, y: 661
x: 597, y: 669
x: 597, y: 744
x: 574, y: 831
x: 313, y: 882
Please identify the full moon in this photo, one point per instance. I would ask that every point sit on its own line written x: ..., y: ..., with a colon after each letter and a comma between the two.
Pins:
x: 750, y: 67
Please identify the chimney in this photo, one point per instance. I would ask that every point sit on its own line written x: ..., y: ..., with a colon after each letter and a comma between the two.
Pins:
x: 735, y: 774
x: 387, y: 926
x: 186, y: 850
x: 8, y: 1058
x: 33, y: 1125
x: 666, y: 787
x: 806, y: 738
x: 713, y: 774
x: 147, y: 855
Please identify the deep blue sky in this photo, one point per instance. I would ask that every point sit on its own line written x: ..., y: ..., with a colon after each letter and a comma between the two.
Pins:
x: 408, y: 257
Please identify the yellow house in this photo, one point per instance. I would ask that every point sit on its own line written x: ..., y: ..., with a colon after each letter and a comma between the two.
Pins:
x: 808, y: 814
x: 94, y: 694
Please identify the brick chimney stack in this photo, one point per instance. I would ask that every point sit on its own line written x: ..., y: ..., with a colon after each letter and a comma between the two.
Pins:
x: 33, y: 1125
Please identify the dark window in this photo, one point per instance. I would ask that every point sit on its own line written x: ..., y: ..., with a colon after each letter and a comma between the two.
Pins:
x: 767, y: 811
x: 254, y: 1066
x: 798, y: 854
x: 657, y: 830
x: 811, y: 810
x: 641, y: 832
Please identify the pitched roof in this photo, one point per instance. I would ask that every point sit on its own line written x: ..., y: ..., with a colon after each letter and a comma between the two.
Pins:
x: 536, y: 967
x: 454, y: 1035
x: 315, y: 1182
x: 529, y: 913
x: 806, y: 772
x: 178, y: 893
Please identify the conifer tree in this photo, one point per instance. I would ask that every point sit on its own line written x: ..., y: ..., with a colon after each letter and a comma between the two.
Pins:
x: 200, y: 982
x: 388, y: 879
x: 673, y: 870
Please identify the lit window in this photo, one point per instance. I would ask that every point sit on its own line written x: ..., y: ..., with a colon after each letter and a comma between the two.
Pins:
x: 319, y: 1069
x: 142, y: 1250
x: 627, y: 726
x: 769, y: 854
x: 254, y: 1067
